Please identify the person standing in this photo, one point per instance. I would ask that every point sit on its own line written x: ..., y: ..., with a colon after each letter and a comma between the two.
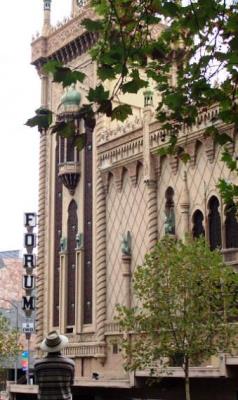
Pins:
x: 55, y: 373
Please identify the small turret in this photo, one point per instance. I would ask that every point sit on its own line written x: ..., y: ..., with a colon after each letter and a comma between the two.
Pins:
x: 76, y: 5
x: 47, y: 21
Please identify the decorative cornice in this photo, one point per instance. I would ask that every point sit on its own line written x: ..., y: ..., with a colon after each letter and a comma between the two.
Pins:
x: 66, y: 42
x: 89, y: 350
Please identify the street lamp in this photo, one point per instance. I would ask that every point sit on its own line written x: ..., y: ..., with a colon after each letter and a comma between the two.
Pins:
x: 17, y: 327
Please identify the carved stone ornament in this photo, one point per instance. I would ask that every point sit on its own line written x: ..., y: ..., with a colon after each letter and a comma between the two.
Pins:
x: 126, y: 244
x: 173, y: 160
x: 209, y: 148
x: 105, y: 181
x: 191, y: 150
x: 79, y: 241
x: 117, y: 174
x: 63, y: 244
x: 132, y: 171
x: 69, y: 174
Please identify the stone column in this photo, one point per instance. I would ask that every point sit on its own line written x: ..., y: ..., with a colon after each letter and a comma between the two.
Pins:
x: 100, y: 245
x: 152, y: 213
x: 62, y: 292
x: 79, y: 291
x: 41, y: 220
x: 126, y: 273
x: 149, y: 174
x: 184, y: 205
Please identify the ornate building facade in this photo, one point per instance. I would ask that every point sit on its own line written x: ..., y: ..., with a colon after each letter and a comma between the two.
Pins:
x: 102, y: 209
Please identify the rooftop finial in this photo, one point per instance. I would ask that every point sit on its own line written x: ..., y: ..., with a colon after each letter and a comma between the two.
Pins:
x: 47, y: 22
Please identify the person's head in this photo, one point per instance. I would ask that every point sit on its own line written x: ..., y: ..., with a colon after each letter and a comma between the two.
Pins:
x: 54, y: 342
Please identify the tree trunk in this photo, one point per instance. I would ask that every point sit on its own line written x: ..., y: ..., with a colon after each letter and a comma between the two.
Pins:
x: 187, y: 381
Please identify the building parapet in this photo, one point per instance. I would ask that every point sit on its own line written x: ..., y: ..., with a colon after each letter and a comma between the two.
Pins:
x: 63, y: 41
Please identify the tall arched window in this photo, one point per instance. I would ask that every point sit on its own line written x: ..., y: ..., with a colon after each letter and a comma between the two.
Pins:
x: 231, y: 227
x: 72, y: 232
x: 169, y: 225
x: 198, y: 228
x: 214, y: 223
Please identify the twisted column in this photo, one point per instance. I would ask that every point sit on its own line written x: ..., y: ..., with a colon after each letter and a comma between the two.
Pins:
x: 41, y: 218
x: 152, y: 213
x: 100, y: 257
x: 101, y: 267
x: 41, y: 237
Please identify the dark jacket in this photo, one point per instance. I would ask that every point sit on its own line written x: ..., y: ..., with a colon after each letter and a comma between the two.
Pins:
x: 55, y: 375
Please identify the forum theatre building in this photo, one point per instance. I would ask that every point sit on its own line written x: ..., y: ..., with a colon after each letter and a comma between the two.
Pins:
x: 102, y: 209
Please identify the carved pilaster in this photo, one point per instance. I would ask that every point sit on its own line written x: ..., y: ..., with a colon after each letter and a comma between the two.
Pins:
x: 173, y: 161
x: 132, y: 171
x: 209, y: 148
x: 191, y: 150
x: 118, y: 174
x: 105, y: 181
x: 157, y: 167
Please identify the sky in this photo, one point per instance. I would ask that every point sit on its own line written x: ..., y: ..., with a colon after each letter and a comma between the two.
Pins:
x: 19, y: 98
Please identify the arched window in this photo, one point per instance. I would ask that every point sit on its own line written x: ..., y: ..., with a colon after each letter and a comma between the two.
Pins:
x: 198, y: 228
x: 231, y: 227
x: 169, y: 225
x: 214, y: 223
x: 71, y: 236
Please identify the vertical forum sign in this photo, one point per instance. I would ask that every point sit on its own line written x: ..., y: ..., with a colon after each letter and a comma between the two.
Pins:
x: 29, y: 264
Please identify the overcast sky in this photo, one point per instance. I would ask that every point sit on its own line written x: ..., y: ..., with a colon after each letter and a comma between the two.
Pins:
x: 20, y: 96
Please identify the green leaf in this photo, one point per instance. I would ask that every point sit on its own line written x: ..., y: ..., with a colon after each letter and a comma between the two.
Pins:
x: 105, y: 107
x: 229, y: 160
x: 67, y: 77
x: 42, y: 119
x: 64, y: 129
x: 52, y: 66
x: 106, y: 71
x: 185, y: 157
x: 135, y: 84
x: 93, y: 25
x: 222, y: 139
x: 97, y: 95
x: 80, y: 141
x: 121, y: 112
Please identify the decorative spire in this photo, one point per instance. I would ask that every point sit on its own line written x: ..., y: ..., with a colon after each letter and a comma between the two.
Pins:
x: 47, y: 22
x: 74, y: 8
x: 76, y: 5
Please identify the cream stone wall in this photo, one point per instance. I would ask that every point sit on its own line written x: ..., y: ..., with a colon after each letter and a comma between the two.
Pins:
x: 129, y: 184
x: 126, y: 211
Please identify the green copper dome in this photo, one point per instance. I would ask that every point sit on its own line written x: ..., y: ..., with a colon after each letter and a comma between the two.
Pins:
x: 71, y: 98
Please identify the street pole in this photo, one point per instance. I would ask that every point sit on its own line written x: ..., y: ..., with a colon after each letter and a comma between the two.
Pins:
x: 17, y: 328
x: 28, y: 337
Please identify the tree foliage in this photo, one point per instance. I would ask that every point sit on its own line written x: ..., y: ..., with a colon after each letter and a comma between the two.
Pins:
x: 186, y: 49
x: 9, y: 346
x: 187, y: 300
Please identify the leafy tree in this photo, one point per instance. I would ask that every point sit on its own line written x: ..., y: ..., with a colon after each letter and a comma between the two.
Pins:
x: 187, y: 300
x: 9, y: 346
x: 191, y: 60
